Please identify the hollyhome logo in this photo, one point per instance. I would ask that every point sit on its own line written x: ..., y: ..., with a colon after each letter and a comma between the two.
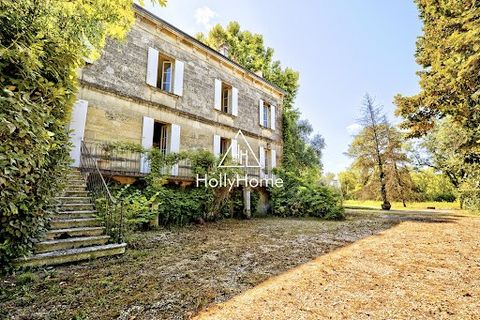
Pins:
x: 243, y: 158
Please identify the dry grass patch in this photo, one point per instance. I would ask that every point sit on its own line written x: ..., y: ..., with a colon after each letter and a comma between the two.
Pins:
x: 175, y: 273
x: 427, y: 267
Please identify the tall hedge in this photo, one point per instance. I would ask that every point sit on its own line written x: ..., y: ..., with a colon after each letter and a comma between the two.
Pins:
x: 42, y: 44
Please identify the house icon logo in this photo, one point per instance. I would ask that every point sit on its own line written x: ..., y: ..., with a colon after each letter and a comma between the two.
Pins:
x: 241, y: 154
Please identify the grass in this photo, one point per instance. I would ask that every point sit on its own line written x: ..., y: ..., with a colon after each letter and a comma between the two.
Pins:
x: 372, y: 204
x: 174, y: 273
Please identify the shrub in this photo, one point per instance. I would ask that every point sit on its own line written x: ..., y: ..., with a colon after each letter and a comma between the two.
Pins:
x: 42, y: 45
x: 183, y: 206
x: 302, y: 196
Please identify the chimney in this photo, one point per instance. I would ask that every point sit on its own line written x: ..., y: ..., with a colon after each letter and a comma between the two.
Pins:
x: 223, y: 49
x: 259, y: 73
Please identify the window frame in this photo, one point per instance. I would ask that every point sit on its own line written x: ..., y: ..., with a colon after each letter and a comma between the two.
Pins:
x: 225, y: 143
x: 267, y: 113
x: 165, y: 136
x: 226, y: 89
x: 164, y: 73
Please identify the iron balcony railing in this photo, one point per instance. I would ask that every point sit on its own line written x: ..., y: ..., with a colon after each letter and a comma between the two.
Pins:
x: 112, y: 161
x: 109, y: 207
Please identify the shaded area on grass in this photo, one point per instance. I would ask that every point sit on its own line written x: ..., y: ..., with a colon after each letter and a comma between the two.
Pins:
x: 175, y: 273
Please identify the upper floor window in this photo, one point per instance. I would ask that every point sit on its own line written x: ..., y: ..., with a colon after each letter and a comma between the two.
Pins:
x: 226, y: 98
x: 164, y: 72
x: 267, y: 114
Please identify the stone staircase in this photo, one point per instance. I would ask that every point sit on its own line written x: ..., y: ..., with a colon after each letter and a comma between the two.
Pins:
x: 75, y: 233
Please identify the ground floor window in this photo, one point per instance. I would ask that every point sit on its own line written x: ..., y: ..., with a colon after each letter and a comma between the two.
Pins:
x: 224, y: 144
x: 160, y: 136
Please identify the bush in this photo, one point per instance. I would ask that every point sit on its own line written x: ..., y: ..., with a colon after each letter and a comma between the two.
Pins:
x: 183, y: 206
x: 42, y: 45
x: 302, y: 196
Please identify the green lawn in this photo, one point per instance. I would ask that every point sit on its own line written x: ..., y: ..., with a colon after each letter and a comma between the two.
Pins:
x: 371, y: 204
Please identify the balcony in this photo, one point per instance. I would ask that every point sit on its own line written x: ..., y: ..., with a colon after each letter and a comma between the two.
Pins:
x: 114, y: 162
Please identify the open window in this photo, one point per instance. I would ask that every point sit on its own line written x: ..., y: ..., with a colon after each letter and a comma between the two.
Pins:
x: 267, y: 114
x: 161, y: 137
x: 224, y: 145
x: 226, y: 98
x: 165, y: 72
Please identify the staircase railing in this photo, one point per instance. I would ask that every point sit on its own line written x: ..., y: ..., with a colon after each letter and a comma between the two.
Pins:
x: 111, y: 208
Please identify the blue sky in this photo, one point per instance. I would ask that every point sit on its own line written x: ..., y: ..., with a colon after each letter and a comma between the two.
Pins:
x: 342, y: 49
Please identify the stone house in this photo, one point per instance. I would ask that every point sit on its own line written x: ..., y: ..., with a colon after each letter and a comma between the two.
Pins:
x: 162, y: 88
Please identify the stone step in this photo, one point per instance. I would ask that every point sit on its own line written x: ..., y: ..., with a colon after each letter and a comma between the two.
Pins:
x: 70, y: 243
x: 72, y: 212
x: 75, y: 193
x: 75, y: 188
x: 75, y: 206
x: 74, y: 223
x: 73, y: 200
x: 71, y: 255
x: 74, y: 215
x: 74, y: 232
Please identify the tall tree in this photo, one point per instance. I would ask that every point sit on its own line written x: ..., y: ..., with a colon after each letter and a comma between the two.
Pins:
x: 248, y: 49
x: 399, y: 181
x: 449, y: 53
x: 42, y: 44
x: 369, y: 146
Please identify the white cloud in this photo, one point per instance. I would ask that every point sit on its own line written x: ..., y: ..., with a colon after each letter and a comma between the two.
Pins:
x: 354, y: 128
x: 204, y: 16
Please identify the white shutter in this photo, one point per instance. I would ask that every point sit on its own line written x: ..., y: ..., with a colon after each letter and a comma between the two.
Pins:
x: 260, y: 110
x: 77, y: 124
x: 235, y: 101
x: 234, y: 147
x: 178, y: 78
x: 216, y: 145
x: 218, y: 94
x: 147, y: 142
x: 261, y: 159
x: 175, y: 144
x: 152, y: 67
x: 272, y: 117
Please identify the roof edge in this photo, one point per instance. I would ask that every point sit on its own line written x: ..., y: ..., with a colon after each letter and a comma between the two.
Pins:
x: 157, y: 19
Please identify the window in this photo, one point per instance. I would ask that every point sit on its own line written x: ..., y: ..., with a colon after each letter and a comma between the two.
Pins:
x: 266, y: 115
x: 266, y: 160
x: 226, y: 98
x: 167, y: 76
x: 224, y: 145
x: 160, y: 136
x: 165, y: 73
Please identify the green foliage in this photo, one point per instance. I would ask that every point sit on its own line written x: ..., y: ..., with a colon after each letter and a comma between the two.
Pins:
x: 248, y: 50
x: 302, y: 196
x: 182, y: 206
x: 139, y: 209
x: 301, y: 152
x: 432, y: 186
x: 42, y: 45
x: 27, y: 278
x: 449, y: 53
x: 449, y: 100
x: 245, y: 48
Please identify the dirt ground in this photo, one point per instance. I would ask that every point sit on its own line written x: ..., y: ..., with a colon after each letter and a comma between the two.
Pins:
x: 427, y: 267
x: 173, y: 274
